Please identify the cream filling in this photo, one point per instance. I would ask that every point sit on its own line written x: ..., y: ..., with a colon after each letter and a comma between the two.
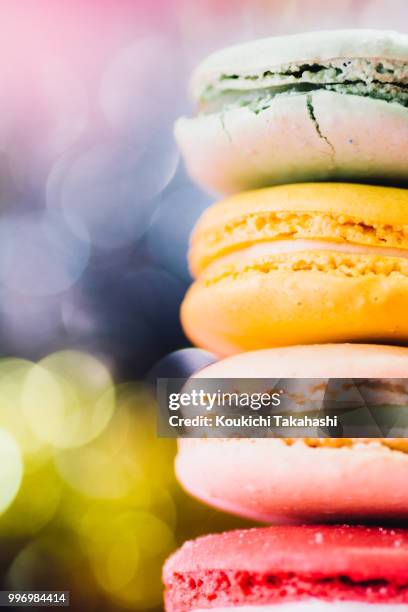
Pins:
x: 315, y: 605
x: 336, y: 70
x: 282, y: 247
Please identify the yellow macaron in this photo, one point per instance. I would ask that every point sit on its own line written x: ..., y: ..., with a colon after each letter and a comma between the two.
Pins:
x: 299, y: 264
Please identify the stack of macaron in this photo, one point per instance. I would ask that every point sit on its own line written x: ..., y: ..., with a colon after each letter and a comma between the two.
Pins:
x: 302, y: 271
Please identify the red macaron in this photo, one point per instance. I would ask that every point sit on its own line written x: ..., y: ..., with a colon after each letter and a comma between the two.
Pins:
x: 313, y: 566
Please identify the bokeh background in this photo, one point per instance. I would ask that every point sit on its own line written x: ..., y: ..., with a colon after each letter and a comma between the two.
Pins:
x: 95, y: 213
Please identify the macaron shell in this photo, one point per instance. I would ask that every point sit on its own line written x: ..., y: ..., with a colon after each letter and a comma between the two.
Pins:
x: 314, y: 361
x: 320, y: 136
x: 366, y: 201
x: 310, y: 47
x: 284, y: 565
x: 272, y: 481
x: 320, y: 551
x: 341, y: 298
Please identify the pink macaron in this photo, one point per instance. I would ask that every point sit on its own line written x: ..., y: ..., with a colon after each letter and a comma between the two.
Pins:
x: 291, y: 569
x: 303, y: 479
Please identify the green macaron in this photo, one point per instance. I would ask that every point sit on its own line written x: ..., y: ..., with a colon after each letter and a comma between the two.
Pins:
x: 321, y: 105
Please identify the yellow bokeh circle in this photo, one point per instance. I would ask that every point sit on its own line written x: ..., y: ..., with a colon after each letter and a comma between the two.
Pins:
x: 68, y: 399
x: 11, y: 469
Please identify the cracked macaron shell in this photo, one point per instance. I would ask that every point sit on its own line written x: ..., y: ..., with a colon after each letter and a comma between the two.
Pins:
x: 316, y: 135
x: 347, y: 280
x: 321, y: 135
